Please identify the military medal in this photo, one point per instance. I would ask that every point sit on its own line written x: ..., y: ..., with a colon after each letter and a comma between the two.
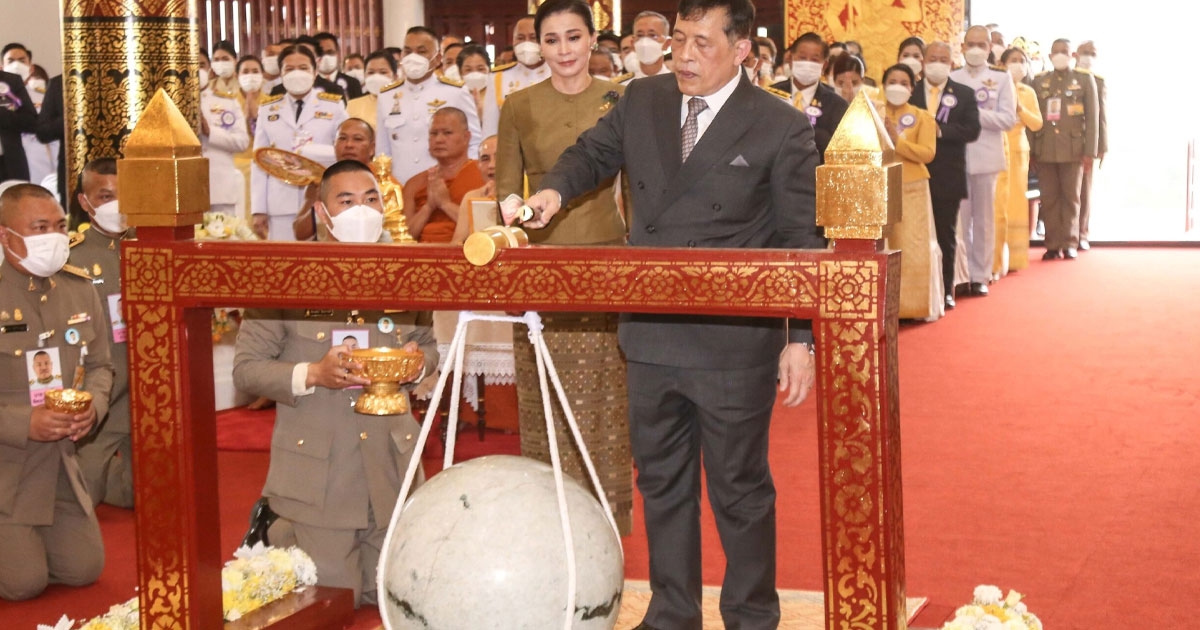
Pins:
x: 78, y: 318
x: 386, y: 325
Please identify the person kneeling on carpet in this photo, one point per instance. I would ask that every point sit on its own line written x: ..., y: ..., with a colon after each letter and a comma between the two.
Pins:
x: 335, y: 475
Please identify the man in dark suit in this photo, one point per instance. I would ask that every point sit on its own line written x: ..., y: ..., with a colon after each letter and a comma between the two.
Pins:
x: 17, y: 116
x: 953, y: 105
x: 821, y: 103
x: 329, y: 65
x: 712, y: 161
x: 49, y: 128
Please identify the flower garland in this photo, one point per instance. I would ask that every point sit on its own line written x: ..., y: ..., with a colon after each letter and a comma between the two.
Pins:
x: 992, y: 610
x: 256, y: 576
x: 222, y: 227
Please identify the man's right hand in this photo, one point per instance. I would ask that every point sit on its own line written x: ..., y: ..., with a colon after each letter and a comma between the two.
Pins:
x: 546, y: 203
x: 50, y: 426
x: 333, y: 370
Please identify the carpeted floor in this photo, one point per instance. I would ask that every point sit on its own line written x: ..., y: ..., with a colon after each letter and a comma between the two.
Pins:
x: 1050, y: 446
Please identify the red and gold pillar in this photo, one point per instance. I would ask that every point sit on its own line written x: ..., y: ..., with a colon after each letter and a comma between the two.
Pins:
x: 116, y: 55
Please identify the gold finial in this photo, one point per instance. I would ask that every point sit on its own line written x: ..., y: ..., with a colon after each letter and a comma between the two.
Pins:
x: 860, y: 186
x: 164, y: 174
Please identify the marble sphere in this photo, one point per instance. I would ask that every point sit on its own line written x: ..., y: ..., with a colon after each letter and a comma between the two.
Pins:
x: 480, y: 546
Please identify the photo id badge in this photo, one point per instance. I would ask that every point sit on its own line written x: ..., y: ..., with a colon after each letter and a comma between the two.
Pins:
x: 120, y: 334
x: 44, y: 370
x: 1054, y: 109
x: 353, y: 338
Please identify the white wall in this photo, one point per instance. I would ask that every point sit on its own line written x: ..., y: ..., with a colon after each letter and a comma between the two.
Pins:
x: 398, y: 17
x: 35, y: 24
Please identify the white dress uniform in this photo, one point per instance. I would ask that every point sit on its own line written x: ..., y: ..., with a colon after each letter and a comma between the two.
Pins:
x: 515, y: 76
x: 42, y: 158
x: 227, y: 134
x: 995, y: 95
x: 311, y: 135
x: 403, y: 113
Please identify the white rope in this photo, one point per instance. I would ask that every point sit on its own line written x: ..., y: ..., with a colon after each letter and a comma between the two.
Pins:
x: 545, y: 366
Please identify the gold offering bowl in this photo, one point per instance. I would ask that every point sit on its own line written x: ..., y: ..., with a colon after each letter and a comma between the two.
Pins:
x: 70, y: 401
x: 387, y: 368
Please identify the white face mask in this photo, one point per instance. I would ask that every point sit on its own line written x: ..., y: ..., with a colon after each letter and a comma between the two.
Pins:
x: 475, y: 80
x: 45, y: 254
x: 913, y: 64
x: 997, y: 51
x: 223, y: 69
x: 415, y: 66
x: 528, y: 53
x: 1085, y: 61
x: 1061, y: 61
x: 359, y: 74
x: 35, y: 85
x: 937, y: 73
x: 374, y: 83
x: 327, y: 64
x: 975, y: 57
x: 108, y: 217
x: 452, y: 73
x: 896, y: 95
x: 360, y: 224
x: 298, y: 82
x: 806, y: 72
x: 630, y: 61
x: 1017, y: 70
x: 270, y: 64
x: 250, y: 82
x: 18, y: 68
x: 648, y: 50
x: 204, y: 78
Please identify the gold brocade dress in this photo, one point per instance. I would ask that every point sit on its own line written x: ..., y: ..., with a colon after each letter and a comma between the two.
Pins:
x: 1012, y: 206
x: 921, y: 293
x: 537, y: 124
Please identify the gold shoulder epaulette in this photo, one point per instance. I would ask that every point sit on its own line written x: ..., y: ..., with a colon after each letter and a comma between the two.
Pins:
x: 1083, y: 70
x: 271, y: 99
x: 780, y: 93
x: 329, y: 96
x: 224, y: 94
x: 449, y: 81
x: 74, y: 238
x: 77, y: 271
x: 998, y: 68
x: 503, y: 67
x: 392, y: 86
x: 621, y: 78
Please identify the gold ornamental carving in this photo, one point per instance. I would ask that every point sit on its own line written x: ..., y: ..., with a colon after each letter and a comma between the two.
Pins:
x: 164, y: 175
x: 860, y: 186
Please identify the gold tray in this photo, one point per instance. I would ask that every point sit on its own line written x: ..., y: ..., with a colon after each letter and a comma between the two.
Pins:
x: 292, y: 168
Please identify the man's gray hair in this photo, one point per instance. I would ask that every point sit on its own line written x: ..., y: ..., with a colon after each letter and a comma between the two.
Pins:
x: 655, y: 14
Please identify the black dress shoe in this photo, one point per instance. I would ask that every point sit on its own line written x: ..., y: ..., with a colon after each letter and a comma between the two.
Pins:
x: 962, y: 288
x: 1070, y: 253
x: 950, y: 304
x: 1051, y: 254
x: 261, y: 518
x: 979, y: 289
x: 1084, y: 245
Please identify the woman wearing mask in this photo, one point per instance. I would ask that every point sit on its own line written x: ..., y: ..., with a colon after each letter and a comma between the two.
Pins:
x: 848, y: 71
x: 380, y: 71
x: 302, y: 121
x: 914, y: 133
x: 474, y: 66
x: 1012, y: 207
x: 912, y: 54
x: 251, y: 81
x: 224, y: 133
x: 537, y: 124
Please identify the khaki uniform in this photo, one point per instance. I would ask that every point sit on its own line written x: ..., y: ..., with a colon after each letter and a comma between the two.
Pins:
x: 106, y: 456
x: 335, y: 475
x: 1070, y: 132
x: 48, y: 530
x: 1085, y: 189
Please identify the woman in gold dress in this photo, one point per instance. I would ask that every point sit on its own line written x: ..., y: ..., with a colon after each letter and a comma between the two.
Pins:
x: 1012, y: 206
x: 914, y: 132
x: 537, y: 124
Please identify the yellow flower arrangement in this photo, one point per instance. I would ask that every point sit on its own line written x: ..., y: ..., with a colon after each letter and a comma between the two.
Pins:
x: 254, y: 578
x: 221, y: 227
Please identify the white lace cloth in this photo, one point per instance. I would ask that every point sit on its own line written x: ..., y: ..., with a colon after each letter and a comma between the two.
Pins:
x: 489, y: 352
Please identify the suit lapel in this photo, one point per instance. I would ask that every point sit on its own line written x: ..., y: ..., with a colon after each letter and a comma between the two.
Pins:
x: 668, y: 134
x: 918, y: 95
x: 731, y: 123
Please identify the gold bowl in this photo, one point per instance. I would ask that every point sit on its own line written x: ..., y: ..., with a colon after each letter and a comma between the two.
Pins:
x: 72, y: 401
x: 386, y: 368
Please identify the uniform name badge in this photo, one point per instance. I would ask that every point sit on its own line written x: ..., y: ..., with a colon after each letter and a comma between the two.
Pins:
x: 227, y: 119
x: 814, y: 113
x: 907, y: 121
x: 353, y: 338
x: 981, y: 95
x: 120, y: 333
x: 44, y: 370
x: 1054, y: 109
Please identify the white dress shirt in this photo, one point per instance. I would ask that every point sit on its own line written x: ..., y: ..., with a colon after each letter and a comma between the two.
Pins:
x: 715, y: 101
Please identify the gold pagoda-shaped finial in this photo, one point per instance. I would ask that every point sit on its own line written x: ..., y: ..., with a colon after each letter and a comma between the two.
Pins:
x: 860, y: 186
x: 163, y: 177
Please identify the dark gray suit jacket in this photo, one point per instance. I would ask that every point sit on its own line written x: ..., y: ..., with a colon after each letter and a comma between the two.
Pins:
x: 749, y: 183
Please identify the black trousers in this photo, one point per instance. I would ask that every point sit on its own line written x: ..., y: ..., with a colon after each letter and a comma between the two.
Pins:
x: 676, y: 417
x: 945, y: 223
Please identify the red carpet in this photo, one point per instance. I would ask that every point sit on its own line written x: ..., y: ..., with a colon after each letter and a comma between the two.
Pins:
x: 1050, y: 447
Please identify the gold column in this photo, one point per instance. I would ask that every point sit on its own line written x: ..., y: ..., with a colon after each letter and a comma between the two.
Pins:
x: 116, y: 55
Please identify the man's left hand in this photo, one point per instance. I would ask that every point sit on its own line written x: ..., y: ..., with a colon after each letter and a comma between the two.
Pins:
x: 413, y: 347
x: 797, y: 369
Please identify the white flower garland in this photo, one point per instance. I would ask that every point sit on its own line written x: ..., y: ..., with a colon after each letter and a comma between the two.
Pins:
x: 992, y: 610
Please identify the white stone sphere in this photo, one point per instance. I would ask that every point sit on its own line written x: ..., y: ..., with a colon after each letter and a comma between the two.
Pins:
x: 480, y: 546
